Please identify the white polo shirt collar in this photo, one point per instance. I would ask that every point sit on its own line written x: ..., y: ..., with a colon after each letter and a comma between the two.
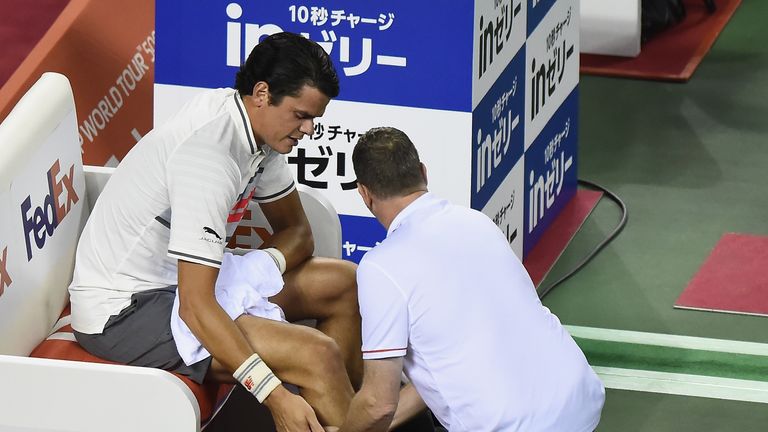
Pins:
x: 242, y: 116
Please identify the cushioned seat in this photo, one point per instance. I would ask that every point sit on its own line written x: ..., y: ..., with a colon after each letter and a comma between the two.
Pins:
x: 61, y: 345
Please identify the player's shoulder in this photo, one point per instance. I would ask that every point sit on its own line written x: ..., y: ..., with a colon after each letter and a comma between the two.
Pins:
x: 204, y: 110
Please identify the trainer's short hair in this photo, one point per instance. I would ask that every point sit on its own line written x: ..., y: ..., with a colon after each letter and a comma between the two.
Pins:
x: 387, y: 163
x: 287, y: 62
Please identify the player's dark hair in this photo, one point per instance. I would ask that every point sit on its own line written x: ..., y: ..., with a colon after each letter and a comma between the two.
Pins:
x: 287, y: 62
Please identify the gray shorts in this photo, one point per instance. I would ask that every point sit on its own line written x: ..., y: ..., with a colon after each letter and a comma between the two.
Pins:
x: 140, y: 335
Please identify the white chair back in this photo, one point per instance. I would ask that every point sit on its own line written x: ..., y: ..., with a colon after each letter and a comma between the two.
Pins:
x: 42, y: 211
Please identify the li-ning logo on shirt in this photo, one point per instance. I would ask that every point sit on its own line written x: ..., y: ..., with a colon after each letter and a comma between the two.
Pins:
x: 209, y: 233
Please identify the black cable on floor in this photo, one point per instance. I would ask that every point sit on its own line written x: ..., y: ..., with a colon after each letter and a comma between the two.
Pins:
x: 613, y: 197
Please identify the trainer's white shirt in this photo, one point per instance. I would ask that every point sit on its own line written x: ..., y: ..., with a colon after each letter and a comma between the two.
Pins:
x: 178, y: 194
x: 445, y: 290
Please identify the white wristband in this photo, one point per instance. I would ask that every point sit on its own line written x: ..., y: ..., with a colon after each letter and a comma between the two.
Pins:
x: 278, y: 257
x: 256, y: 377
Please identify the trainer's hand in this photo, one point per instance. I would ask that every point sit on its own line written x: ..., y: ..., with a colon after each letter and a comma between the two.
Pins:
x: 291, y: 412
x: 331, y: 428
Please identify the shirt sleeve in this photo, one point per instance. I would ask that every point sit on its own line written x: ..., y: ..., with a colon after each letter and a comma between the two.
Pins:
x: 276, y: 179
x: 384, y: 311
x: 202, y: 185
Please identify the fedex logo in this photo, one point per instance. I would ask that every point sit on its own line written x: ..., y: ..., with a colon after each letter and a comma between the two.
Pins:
x: 41, y: 222
x: 5, y: 277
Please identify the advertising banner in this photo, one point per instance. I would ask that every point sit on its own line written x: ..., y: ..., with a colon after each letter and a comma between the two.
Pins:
x: 537, y: 10
x: 506, y: 206
x: 552, y: 59
x: 395, y: 52
x: 497, y: 126
x: 550, y: 170
x: 481, y: 87
x: 499, y: 33
x: 42, y: 214
x: 106, y: 48
x: 324, y: 159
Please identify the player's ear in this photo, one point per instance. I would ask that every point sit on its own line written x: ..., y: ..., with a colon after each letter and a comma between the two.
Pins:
x: 261, y: 93
x: 424, y: 172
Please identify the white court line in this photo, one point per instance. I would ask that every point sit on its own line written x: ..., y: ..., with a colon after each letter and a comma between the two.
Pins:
x: 666, y: 340
x: 719, y: 311
x: 683, y: 384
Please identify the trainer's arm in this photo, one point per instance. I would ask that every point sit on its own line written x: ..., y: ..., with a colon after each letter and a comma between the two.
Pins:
x: 410, y: 404
x: 373, y: 407
x: 292, y: 233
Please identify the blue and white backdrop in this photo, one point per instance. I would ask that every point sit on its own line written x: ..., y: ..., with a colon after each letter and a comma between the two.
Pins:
x: 486, y: 89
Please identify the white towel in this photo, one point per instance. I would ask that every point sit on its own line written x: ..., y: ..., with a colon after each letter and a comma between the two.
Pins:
x: 244, y: 286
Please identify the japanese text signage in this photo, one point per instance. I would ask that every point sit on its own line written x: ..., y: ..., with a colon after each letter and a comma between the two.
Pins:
x: 386, y: 52
x: 550, y: 170
x: 497, y: 139
x: 486, y: 90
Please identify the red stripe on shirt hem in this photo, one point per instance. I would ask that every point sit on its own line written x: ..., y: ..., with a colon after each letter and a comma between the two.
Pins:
x: 384, y: 350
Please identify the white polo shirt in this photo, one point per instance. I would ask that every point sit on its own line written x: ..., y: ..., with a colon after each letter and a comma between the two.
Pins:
x: 178, y: 194
x: 445, y: 290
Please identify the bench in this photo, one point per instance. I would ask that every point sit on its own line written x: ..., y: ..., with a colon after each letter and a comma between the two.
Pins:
x: 610, y: 27
x: 48, y: 382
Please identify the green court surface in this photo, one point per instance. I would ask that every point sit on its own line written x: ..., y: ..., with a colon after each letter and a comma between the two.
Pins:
x: 631, y: 411
x: 691, y: 163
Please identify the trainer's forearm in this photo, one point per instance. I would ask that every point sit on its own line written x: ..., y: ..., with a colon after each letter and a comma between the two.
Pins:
x: 367, y: 414
x: 409, y: 406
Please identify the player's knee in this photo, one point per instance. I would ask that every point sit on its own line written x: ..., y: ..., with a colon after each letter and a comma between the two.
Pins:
x: 346, y: 272
x: 345, y: 292
x: 323, y: 357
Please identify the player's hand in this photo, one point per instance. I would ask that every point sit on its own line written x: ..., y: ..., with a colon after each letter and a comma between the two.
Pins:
x: 291, y: 412
x: 331, y: 429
